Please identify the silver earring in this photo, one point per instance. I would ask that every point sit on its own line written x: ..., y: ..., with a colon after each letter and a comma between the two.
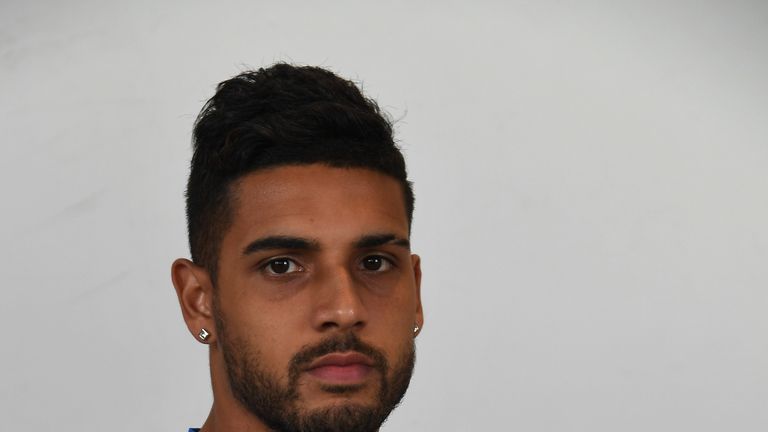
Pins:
x: 203, y: 335
x: 416, y: 328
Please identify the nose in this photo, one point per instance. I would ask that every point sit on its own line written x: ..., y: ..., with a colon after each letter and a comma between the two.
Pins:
x: 338, y: 304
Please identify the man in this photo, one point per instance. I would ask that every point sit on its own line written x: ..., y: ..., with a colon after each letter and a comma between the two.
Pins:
x: 301, y: 281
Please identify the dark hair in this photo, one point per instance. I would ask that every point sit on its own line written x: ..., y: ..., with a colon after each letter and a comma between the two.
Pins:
x: 281, y: 115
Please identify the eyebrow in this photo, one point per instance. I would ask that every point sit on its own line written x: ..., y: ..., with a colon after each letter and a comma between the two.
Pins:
x: 374, y: 240
x: 300, y: 243
x: 280, y: 242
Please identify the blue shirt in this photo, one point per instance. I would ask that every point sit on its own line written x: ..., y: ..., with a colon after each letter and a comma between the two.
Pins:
x: 194, y: 430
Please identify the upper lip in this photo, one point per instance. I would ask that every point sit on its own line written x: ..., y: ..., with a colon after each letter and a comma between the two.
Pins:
x: 341, y: 359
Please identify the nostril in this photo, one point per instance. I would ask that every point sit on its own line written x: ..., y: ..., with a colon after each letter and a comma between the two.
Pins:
x: 333, y: 324
x: 329, y: 325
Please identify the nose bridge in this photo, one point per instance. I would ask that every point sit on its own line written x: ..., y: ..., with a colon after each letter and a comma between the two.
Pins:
x: 339, y: 304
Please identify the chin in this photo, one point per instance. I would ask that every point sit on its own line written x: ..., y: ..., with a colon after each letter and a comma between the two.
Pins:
x: 338, y: 397
x: 342, y: 416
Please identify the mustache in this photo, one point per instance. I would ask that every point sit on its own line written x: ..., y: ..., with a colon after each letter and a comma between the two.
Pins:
x: 337, y: 343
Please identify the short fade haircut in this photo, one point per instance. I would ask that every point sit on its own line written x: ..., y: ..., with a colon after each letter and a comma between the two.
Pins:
x: 278, y: 116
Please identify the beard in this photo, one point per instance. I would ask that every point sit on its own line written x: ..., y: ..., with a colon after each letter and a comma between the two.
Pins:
x: 277, y: 405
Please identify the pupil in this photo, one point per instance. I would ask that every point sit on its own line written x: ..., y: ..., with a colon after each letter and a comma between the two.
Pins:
x: 372, y: 263
x: 279, y: 266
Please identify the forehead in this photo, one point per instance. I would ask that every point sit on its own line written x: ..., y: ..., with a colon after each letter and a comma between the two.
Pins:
x: 318, y: 201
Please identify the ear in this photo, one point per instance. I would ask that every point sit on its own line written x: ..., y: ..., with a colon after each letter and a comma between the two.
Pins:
x: 419, y: 318
x: 195, y: 292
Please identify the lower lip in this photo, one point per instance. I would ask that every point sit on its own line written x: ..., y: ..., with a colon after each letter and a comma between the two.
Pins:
x: 341, y: 374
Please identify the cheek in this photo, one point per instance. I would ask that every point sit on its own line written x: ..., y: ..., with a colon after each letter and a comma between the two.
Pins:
x: 265, y: 337
x: 396, y: 310
x: 393, y: 320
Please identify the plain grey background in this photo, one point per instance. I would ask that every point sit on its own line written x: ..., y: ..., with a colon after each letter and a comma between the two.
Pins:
x: 592, y: 206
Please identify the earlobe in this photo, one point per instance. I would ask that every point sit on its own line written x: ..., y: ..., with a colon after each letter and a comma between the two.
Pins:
x: 195, y: 293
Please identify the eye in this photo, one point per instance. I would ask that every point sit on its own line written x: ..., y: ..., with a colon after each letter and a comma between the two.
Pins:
x: 376, y: 263
x: 279, y: 266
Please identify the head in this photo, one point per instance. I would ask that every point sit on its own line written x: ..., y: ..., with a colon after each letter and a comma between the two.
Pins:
x: 299, y: 213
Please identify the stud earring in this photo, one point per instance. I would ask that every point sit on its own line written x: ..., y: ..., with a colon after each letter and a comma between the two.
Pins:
x: 203, y: 335
x: 416, y: 328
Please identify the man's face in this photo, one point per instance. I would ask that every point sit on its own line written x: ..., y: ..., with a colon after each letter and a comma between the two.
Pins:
x: 317, y: 297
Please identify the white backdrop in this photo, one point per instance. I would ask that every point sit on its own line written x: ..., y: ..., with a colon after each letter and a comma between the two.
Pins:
x: 592, y: 204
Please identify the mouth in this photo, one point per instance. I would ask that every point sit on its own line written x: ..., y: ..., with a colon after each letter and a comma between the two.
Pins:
x: 341, y: 368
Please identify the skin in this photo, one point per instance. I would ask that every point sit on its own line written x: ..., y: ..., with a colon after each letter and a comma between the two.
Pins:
x: 327, y: 290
